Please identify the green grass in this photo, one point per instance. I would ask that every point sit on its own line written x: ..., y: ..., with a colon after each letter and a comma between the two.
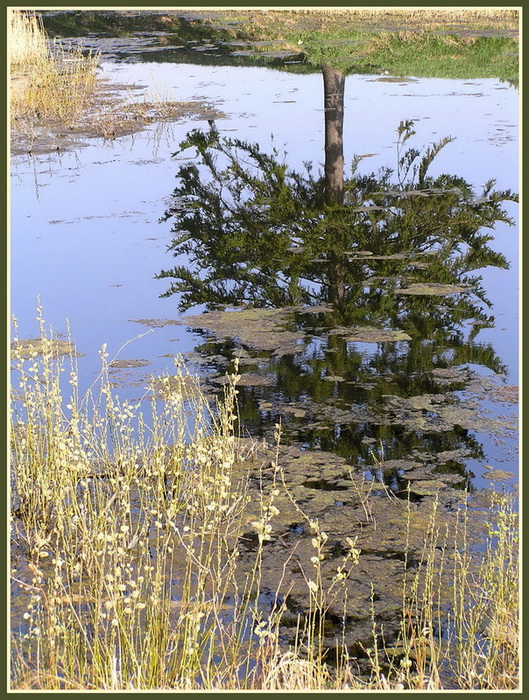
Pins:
x: 126, y: 568
x: 445, y: 57
x: 428, y: 43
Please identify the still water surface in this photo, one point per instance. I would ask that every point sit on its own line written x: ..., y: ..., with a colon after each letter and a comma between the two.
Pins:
x: 85, y: 229
x: 86, y: 238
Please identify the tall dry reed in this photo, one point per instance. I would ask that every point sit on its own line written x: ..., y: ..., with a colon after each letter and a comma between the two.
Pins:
x: 49, y: 81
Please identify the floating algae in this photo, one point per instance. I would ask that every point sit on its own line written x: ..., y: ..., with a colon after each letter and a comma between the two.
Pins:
x: 32, y: 347
x: 427, y: 487
x: 439, y: 413
x: 156, y: 322
x: 388, y: 534
x: 404, y: 464
x: 435, y: 289
x: 247, y: 379
x: 369, y: 334
x: 444, y: 376
x: 260, y: 329
x: 497, y: 474
x: 167, y: 386
x: 394, y: 256
x: 128, y: 364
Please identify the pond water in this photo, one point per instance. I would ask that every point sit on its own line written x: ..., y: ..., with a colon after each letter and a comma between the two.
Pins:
x: 85, y: 229
x: 87, y: 240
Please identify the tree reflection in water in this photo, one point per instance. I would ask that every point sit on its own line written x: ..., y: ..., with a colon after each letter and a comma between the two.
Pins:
x: 399, y: 252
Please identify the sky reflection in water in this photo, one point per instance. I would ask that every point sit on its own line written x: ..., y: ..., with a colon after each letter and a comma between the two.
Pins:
x: 85, y: 234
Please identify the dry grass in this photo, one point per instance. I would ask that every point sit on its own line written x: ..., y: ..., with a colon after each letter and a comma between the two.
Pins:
x: 423, y: 20
x: 48, y: 82
x: 27, y: 40
x: 55, y: 93
x: 482, y: 17
x: 126, y: 571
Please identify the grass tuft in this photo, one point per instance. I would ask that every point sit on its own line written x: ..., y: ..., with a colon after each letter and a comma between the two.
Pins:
x: 48, y: 82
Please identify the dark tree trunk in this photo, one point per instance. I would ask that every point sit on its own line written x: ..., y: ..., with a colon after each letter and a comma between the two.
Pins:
x: 333, y: 89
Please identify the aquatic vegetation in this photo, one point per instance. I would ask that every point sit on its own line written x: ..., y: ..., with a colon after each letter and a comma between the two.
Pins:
x: 32, y: 347
x: 432, y: 288
x: 261, y: 329
x: 368, y: 334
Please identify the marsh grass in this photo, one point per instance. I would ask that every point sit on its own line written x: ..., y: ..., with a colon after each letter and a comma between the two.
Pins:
x: 48, y: 81
x: 485, y: 626
x: 126, y: 567
x: 55, y: 93
x: 28, y: 42
x: 128, y: 535
x: 129, y: 530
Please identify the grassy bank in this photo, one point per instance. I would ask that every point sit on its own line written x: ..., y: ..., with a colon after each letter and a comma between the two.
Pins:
x: 451, y: 44
x: 48, y: 83
x: 272, y: 23
x: 429, y: 43
x: 128, y: 572
x: 56, y: 95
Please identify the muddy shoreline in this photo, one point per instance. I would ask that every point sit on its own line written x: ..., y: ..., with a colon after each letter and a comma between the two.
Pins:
x: 223, y: 38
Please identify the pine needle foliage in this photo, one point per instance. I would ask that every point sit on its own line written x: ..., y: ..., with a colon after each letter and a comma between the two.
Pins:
x: 249, y: 229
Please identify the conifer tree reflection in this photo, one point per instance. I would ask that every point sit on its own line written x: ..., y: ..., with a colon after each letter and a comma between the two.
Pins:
x: 254, y: 231
x: 400, y: 252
